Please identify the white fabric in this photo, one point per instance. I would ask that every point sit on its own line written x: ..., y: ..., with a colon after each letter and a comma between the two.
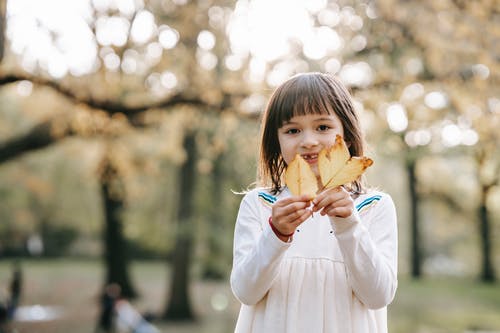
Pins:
x: 335, y: 276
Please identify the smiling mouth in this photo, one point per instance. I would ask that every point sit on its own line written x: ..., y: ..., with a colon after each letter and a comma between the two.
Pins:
x: 310, y: 158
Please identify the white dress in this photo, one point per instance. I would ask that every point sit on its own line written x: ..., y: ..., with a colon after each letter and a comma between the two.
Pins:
x: 335, y: 276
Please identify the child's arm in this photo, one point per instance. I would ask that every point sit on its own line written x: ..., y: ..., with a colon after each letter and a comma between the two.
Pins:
x: 370, y: 254
x: 257, y: 250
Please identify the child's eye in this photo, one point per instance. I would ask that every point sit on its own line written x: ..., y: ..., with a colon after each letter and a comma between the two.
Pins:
x: 322, y: 128
x: 292, y: 131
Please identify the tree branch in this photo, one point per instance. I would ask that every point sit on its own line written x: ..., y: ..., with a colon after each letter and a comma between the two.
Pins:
x: 106, y: 105
x: 40, y: 136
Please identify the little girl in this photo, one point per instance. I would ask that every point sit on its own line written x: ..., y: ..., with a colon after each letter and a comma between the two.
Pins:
x: 312, y: 265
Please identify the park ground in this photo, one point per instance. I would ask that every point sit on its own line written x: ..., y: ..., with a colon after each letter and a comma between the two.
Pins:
x: 71, y: 288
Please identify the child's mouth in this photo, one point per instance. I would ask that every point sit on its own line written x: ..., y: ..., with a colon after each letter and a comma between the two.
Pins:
x: 310, y: 158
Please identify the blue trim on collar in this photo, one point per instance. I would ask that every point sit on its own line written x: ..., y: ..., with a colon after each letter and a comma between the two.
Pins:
x: 267, y: 197
x: 368, y: 201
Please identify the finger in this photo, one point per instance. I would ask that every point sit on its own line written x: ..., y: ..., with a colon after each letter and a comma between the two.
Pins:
x: 329, y: 197
x: 342, y: 208
x: 339, y: 202
x: 288, y: 200
x: 342, y: 212
x: 288, y: 227
x: 290, y: 208
x: 295, y: 207
x: 326, y: 193
x: 324, y: 202
x: 293, y: 216
x: 303, y: 216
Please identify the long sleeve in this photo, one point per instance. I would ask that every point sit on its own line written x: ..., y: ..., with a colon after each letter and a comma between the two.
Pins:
x: 257, y: 254
x: 370, y: 253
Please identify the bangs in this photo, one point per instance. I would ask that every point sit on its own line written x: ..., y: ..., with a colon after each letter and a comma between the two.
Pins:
x: 303, y: 96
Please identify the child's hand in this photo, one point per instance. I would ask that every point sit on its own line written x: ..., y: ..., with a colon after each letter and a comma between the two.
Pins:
x: 334, y: 202
x: 289, y: 213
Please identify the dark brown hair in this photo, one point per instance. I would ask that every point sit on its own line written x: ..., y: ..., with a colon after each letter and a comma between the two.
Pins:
x: 302, y: 94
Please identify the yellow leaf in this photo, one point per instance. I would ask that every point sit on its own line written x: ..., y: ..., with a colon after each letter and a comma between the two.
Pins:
x: 330, y: 161
x: 299, y: 177
x: 350, y: 171
x: 337, y: 167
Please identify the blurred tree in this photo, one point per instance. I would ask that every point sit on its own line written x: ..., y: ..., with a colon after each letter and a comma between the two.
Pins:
x: 179, y: 306
x: 163, y: 55
x: 217, y: 163
x: 488, y: 175
x: 131, y: 78
x: 115, y: 254
x: 443, y: 75
x: 38, y: 137
x: 214, y: 268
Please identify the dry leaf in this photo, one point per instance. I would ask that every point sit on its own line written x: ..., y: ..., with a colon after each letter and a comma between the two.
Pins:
x: 336, y: 168
x: 299, y: 177
x: 350, y: 171
x: 330, y: 161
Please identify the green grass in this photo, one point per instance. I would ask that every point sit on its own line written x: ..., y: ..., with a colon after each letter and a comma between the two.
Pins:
x: 445, y: 305
x: 426, y: 306
x: 74, y: 286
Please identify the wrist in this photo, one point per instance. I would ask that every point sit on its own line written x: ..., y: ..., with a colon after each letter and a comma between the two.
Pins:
x: 342, y: 224
x: 282, y: 236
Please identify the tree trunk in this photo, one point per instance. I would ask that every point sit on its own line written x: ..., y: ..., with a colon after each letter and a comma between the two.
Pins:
x: 213, y: 261
x: 416, y: 258
x: 116, y: 258
x: 179, y: 306
x: 487, y: 270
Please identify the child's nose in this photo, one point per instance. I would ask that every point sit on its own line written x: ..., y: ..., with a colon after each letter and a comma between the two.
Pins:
x: 309, y: 139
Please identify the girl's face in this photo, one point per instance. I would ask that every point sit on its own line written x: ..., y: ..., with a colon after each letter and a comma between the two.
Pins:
x: 307, y: 135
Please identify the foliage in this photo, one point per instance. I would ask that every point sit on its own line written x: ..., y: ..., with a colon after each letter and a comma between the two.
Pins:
x: 60, y: 182
x: 424, y: 75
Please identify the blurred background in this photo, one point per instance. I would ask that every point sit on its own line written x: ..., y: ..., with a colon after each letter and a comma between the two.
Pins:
x: 128, y: 128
